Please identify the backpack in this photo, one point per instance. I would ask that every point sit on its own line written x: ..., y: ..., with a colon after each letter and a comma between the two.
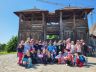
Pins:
x: 81, y: 58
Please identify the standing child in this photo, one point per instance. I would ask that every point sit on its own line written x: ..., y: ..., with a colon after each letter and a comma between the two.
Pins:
x: 59, y: 46
x: 78, y: 46
x: 72, y: 50
x: 20, y: 54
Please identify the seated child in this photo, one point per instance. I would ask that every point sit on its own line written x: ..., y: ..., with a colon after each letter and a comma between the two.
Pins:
x: 45, y: 56
x: 33, y: 56
x: 75, y: 57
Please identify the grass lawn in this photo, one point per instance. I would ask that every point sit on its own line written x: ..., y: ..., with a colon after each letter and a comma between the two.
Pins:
x: 4, y: 52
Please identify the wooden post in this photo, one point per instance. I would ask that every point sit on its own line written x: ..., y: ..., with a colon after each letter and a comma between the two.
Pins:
x: 44, y: 26
x: 31, y: 26
x: 74, y: 27
x: 61, y: 26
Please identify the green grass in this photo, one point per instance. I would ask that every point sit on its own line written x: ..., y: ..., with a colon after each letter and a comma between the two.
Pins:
x: 4, y: 53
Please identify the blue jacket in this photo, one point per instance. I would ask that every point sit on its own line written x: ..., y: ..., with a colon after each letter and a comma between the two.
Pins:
x: 26, y: 47
x: 50, y: 48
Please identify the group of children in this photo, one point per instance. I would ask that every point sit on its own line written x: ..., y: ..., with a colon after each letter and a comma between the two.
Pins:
x: 62, y: 52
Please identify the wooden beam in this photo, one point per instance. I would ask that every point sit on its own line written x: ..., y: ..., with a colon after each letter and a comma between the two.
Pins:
x: 19, y: 33
x: 44, y: 25
x: 74, y: 27
x: 61, y: 26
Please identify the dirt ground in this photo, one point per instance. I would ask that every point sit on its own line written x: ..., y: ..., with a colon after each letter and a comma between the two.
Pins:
x: 9, y: 63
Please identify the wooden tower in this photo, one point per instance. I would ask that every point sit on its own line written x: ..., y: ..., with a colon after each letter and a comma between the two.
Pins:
x: 68, y: 22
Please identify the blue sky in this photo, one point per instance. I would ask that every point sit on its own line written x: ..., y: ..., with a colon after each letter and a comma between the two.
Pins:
x: 9, y: 21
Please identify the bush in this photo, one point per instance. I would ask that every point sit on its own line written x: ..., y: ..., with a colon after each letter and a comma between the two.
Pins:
x: 12, y: 44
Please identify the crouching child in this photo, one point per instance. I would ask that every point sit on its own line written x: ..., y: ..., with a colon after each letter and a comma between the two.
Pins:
x: 27, y: 61
x: 60, y: 58
x: 80, y: 60
x: 69, y: 59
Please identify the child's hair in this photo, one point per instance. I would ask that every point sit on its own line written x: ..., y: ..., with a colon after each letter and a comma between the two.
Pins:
x: 19, y: 46
x: 38, y: 51
x: 33, y: 51
x: 76, y: 53
x: 79, y: 53
x: 28, y: 40
x: 72, y: 42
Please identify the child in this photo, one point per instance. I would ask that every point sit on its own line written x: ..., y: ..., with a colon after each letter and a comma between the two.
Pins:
x: 45, y: 56
x: 75, y: 57
x: 78, y: 46
x: 65, y: 55
x: 72, y: 50
x: 79, y: 60
x: 33, y: 55
x: 69, y: 60
x: 59, y: 46
x: 27, y: 61
x: 50, y: 47
x: 50, y: 57
x: 68, y: 44
x: 59, y: 57
x: 82, y: 60
x: 20, y: 54
x: 40, y: 56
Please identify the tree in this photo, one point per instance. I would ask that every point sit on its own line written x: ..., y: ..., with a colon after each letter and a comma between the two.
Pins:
x: 2, y: 47
x: 12, y: 44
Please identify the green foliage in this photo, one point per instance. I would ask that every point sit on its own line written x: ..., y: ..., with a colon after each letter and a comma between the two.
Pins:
x: 12, y: 44
x: 2, y: 47
x: 52, y: 36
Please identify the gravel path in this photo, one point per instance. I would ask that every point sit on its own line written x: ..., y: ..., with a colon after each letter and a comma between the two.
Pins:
x: 8, y: 63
